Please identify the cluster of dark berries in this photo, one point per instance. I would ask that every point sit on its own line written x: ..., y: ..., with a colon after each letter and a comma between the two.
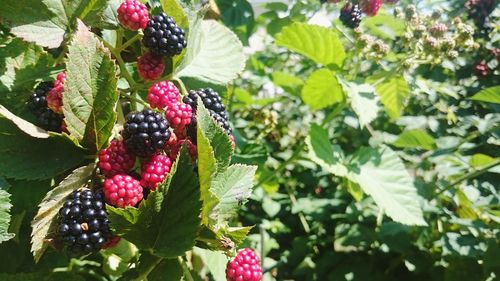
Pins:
x: 83, y: 223
x: 162, y: 36
x: 213, y: 102
x: 46, y: 104
x: 352, y: 12
x: 244, y: 267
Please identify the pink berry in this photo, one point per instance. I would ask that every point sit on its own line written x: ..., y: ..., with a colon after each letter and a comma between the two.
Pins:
x: 133, y: 15
x: 150, y: 66
x: 244, y: 267
x: 55, y: 96
x: 122, y: 190
x: 481, y: 69
x: 155, y: 170
x: 370, y: 7
x: 179, y: 115
x: 162, y: 94
x: 115, y: 159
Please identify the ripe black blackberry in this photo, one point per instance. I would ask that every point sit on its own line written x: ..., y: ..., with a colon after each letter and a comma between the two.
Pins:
x: 49, y: 120
x: 350, y: 15
x: 37, y: 102
x: 163, y: 37
x: 213, y: 102
x: 145, y: 132
x: 83, y: 223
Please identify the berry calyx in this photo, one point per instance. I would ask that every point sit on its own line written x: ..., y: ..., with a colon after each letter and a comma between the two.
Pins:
x: 133, y: 15
x: 370, y: 7
x: 179, y: 115
x: 37, y: 101
x: 83, y: 223
x: 162, y: 94
x: 150, y: 66
x: 122, y: 190
x: 163, y: 37
x: 155, y: 170
x: 244, y: 267
x: 115, y: 159
x: 145, y: 132
x: 55, y: 96
x: 350, y: 15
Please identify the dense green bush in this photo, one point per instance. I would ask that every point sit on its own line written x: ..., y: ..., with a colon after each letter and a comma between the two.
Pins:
x: 376, y: 148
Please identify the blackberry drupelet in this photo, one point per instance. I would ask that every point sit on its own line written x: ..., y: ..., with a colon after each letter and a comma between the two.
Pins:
x: 37, y: 102
x: 213, y: 102
x: 163, y: 37
x: 145, y: 132
x: 49, y: 120
x: 350, y: 15
x: 83, y: 223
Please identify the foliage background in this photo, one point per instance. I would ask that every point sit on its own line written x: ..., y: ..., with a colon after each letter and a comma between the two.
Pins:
x: 358, y: 178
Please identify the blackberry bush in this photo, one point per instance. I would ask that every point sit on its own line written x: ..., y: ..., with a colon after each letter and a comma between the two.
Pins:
x: 145, y: 132
x: 83, y: 223
x: 163, y: 37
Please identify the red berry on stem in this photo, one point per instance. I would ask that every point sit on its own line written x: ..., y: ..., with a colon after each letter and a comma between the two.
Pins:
x: 155, y: 170
x: 133, y: 15
x: 122, y: 190
x: 481, y: 69
x: 370, y: 7
x: 244, y: 267
x: 162, y: 94
x: 115, y: 159
x: 179, y: 115
x: 55, y: 96
x: 150, y: 66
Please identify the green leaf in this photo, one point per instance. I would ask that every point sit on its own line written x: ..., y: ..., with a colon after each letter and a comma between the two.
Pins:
x: 237, y: 15
x: 170, y: 214
x: 385, y: 26
x: 393, y: 94
x: 363, y: 101
x: 212, y: 46
x: 43, y: 223
x: 231, y: 188
x: 320, y: 44
x: 41, y: 276
x: 479, y: 160
x: 5, y: 206
x: 174, y: 9
x: 166, y: 270
x: 491, y: 94
x: 24, y: 125
x: 24, y: 157
x: 322, y: 89
x: 215, y: 262
x: 415, y: 139
x: 32, y: 21
x: 21, y: 67
x: 90, y: 93
x: 288, y: 82
x: 382, y: 175
x: 180, y: 222
x: 323, y: 153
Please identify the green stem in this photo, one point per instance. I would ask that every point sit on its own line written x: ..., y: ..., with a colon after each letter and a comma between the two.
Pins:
x: 121, y: 63
x: 185, y: 269
x: 470, y: 175
x: 134, y: 99
x: 129, y: 42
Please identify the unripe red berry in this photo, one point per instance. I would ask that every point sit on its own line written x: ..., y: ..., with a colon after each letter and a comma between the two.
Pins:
x: 55, y: 96
x: 162, y: 94
x: 133, y: 15
x: 155, y: 170
x: 122, y: 190
x: 244, y: 267
x: 370, y: 7
x: 150, y: 66
x: 115, y: 159
x: 179, y: 115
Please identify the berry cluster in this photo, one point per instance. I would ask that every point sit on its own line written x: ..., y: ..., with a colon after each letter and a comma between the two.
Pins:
x: 83, y: 223
x: 244, y: 267
x: 162, y: 36
x: 352, y: 12
x: 38, y: 104
x: 479, y: 11
x: 350, y: 15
